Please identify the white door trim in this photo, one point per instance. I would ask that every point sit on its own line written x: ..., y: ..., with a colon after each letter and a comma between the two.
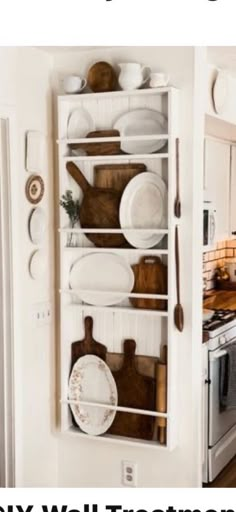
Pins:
x: 9, y: 288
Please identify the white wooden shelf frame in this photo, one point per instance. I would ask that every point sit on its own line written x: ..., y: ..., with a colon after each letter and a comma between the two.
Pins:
x: 65, y: 105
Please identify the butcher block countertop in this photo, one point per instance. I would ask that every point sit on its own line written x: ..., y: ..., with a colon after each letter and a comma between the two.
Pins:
x: 220, y: 299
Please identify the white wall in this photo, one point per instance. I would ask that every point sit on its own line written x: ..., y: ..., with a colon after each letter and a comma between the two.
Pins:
x: 90, y: 464
x: 25, y: 85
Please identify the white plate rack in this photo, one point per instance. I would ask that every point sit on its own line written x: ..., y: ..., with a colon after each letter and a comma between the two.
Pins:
x: 151, y: 329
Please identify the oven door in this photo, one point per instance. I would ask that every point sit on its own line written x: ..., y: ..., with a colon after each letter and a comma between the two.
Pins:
x: 219, y: 421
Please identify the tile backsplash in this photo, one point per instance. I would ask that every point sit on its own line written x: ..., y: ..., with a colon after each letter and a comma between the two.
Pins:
x: 217, y: 258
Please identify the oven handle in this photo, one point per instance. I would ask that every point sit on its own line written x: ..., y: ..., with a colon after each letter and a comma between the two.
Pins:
x: 218, y: 354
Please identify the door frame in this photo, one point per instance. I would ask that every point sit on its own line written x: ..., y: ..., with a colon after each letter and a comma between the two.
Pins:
x: 9, y: 291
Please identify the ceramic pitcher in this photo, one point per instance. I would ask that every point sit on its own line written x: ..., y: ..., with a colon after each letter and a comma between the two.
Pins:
x: 133, y: 75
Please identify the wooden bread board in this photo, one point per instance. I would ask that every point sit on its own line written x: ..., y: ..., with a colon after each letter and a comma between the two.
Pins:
x: 137, y: 391
x: 150, y: 277
x: 99, y: 148
x: 88, y: 345
x: 144, y: 364
x: 116, y: 176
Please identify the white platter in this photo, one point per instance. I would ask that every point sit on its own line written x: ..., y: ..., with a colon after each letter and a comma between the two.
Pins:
x: 102, y: 273
x: 37, y: 225
x: 144, y: 206
x: 220, y: 92
x: 80, y: 123
x: 141, y: 122
x: 37, y: 264
x: 91, y: 381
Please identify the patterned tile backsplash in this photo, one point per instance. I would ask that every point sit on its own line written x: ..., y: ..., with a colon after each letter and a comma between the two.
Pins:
x: 217, y: 258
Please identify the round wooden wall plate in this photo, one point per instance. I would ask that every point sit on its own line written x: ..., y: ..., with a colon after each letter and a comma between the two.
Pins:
x: 34, y: 189
x: 102, y: 77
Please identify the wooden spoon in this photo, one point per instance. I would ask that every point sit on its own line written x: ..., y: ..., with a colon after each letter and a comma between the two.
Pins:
x: 177, y: 206
x: 178, y: 311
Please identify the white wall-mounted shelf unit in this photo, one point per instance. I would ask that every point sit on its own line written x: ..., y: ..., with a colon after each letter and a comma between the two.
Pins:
x: 151, y: 329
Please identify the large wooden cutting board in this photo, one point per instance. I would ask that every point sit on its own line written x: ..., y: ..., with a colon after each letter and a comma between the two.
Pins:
x: 88, y: 345
x: 137, y: 391
x: 116, y: 176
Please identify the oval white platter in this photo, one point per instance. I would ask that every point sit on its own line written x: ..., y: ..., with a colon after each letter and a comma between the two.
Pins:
x: 102, y: 273
x: 144, y: 206
x: 37, y: 225
x: 37, y: 264
x: 80, y: 123
x: 141, y: 122
x: 220, y: 92
x: 91, y: 381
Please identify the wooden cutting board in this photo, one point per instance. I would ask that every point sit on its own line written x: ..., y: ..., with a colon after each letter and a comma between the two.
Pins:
x: 99, y: 148
x: 144, y: 364
x: 99, y: 209
x: 134, y: 390
x: 88, y: 345
x: 150, y: 277
x: 116, y: 176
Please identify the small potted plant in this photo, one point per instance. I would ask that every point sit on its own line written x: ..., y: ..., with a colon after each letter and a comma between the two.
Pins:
x: 71, y: 206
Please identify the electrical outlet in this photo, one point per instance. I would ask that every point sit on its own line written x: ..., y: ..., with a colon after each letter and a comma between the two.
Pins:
x: 41, y: 314
x: 129, y: 473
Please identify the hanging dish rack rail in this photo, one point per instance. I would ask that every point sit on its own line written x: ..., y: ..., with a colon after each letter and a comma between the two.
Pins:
x: 130, y: 410
x: 128, y: 138
x: 119, y: 157
x: 111, y: 230
x: 112, y: 293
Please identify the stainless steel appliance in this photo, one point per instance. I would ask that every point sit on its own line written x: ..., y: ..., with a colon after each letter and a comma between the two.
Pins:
x: 220, y: 438
x: 209, y: 224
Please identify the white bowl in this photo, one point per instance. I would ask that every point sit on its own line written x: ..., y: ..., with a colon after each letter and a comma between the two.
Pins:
x: 207, y: 314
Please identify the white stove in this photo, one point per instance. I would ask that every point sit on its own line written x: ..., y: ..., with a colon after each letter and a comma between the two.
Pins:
x: 220, y: 442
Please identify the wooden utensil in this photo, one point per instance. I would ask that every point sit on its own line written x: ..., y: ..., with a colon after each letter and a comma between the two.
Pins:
x: 116, y: 176
x: 88, y: 345
x: 161, y: 394
x: 102, y: 77
x: 145, y: 365
x: 177, y: 206
x: 178, y: 311
x: 137, y: 391
x: 99, y: 209
x: 150, y: 277
x: 99, y: 148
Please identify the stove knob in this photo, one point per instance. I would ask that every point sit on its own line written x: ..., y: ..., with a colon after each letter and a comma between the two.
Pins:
x: 222, y: 339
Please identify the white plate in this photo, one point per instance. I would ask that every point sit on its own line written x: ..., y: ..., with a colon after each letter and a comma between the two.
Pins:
x: 37, y: 264
x: 220, y: 91
x: 80, y: 123
x: 91, y: 381
x: 101, y: 272
x: 37, y: 225
x: 141, y: 122
x: 35, y: 151
x: 144, y: 206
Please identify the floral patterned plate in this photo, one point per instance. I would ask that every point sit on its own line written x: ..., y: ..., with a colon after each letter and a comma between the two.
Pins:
x: 91, y: 381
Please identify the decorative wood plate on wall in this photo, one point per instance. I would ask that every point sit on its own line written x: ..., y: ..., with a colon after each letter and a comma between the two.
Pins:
x: 34, y: 189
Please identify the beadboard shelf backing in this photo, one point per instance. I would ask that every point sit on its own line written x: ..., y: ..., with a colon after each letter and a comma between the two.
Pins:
x: 151, y: 329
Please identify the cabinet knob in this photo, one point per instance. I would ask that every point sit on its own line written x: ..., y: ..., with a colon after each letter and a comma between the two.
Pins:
x: 233, y: 233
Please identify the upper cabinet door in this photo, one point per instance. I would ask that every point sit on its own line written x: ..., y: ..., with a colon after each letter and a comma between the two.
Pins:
x: 217, y: 184
x: 233, y: 193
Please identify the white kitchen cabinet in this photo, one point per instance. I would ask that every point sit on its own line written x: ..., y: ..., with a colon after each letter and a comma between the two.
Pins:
x: 233, y: 193
x: 217, y: 184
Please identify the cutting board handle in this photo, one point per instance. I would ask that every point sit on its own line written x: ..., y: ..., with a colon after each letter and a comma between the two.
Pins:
x: 150, y: 259
x: 129, y: 354
x: 88, y: 327
x: 78, y: 176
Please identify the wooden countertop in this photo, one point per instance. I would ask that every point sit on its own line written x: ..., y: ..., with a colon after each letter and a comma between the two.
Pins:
x: 220, y: 299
